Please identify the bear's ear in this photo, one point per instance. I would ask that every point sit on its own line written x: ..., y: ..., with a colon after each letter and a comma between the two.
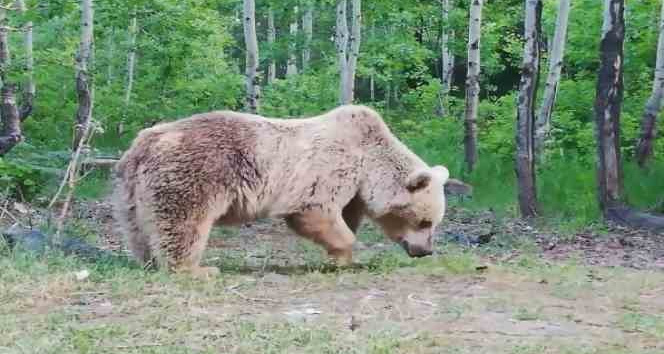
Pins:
x: 418, y: 180
x: 442, y: 172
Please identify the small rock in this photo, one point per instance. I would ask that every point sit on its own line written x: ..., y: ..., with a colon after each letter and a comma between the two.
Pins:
x: 21, y: 208
x: 28, y: 240
x: 82, y: 275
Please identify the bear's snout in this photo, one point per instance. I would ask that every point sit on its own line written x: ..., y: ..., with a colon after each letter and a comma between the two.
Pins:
x: 415, y: 250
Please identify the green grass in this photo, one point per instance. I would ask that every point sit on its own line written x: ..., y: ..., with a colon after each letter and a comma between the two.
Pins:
x: 436, y: 304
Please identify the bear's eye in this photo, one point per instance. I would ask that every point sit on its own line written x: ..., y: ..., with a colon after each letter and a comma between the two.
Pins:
x: 424, y: 224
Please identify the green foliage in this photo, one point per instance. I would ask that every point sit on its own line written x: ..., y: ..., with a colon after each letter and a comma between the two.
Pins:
x: 190, y: 59
x: 301, y: 95
x: 18, y: 179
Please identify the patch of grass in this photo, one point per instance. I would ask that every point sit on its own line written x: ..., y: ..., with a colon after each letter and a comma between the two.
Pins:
x: 224, y: 232
x: 94, y: 186
x: 370, y: 234
x: 652, y: 324
x: 528, y: 349
x: 254, y: 337
x: 525, y: 314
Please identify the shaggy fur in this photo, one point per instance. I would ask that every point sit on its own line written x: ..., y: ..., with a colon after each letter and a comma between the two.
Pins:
x: 320, y: 174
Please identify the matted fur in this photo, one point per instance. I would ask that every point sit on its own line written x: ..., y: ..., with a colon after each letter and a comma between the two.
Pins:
x: 321, y: 174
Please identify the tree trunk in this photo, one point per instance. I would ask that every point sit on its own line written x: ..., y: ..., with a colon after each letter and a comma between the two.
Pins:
x: 644, y: 148
x: 252, y: 56
x: 354, y: 48
x: 472, y: 84
x: 84, y: 84
x: 271, y: 38
x: 525, y: 126
x: 608, y: 105
x: 29, y: 89
x: 308, y: 29
x: 447, y: 62
x: 543, y: 123
x: 342, y: 49
x: 131, y: 63
x: 109, y: 57
x: 348, y: 48
x: 291, y: 68
x: 372, y: 88
x: 5, y: 57
x: 11, y: 124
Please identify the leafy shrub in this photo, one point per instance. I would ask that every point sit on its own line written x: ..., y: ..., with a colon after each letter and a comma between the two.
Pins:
x: 19, y: 180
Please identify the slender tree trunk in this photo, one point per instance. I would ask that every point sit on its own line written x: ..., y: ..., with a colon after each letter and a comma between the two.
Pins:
x: 291, y: 68
x: 5, y: 57
x: 372, y: 88
x: 644, y: 148
x: 84, y: 82
x: 372, y: 74
x: 525, y: 132
x: 388, y: 95
x: 308, y: 29
x: 29, y: 90
x: 109, y: 57
x: 271, y: 38
x: 252, y: 56
x: 608, y: 105
x: 11, y: 124
x: 342, y: 48
x: 348, y: 48
x: 355, y: 37
x: 131, y: 63
x: 447, y: 62
x: 473, y: 84
x: 543, y: 123
x: 10, y: 113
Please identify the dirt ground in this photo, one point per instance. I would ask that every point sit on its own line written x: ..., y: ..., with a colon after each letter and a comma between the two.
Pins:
x: 525, y: 291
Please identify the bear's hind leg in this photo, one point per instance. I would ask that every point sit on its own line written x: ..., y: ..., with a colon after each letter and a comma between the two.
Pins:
x: 182, y: 245
x: 328, y: 230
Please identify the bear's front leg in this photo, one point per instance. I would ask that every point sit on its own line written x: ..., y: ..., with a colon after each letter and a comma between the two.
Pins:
x: 327, y: 229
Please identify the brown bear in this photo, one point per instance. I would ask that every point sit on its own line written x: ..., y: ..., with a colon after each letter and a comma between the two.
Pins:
x: 322, y: 175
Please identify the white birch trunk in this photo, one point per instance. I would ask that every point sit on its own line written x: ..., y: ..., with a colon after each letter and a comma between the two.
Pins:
x: 342, y: 48
x: 543, y: 123
x: 348, y: 48
x: 525, y: 126
x: 655, y: 103
x: 447, y: 63
x: 131, y: 64
x: 271, y: 38
x: 11, y: 123
x: 84, y: 84
x: 291, y: 68
x: 5, y: 57
x: 473, y: 84
x: 252, y: 100
x: 355, y: 37
x: 308, y: 29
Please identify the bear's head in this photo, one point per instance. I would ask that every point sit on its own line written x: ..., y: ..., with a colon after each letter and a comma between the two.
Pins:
x: 416, y: 210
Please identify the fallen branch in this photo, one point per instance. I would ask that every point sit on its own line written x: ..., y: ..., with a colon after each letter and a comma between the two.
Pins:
x: 457, y: 187
x: 412, y: 298
x: 107, y: 163
x: 626, y: 216
x: 5, y: 211
x: 70, y: 180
